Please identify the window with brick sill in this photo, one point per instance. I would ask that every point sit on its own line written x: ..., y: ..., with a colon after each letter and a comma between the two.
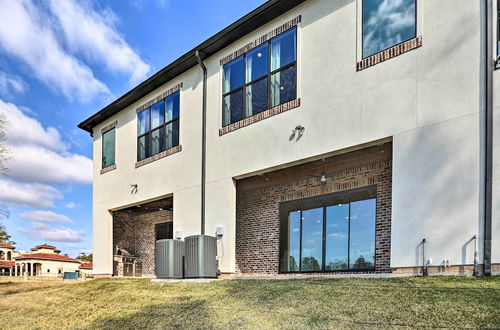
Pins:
x: 260, y: 79
x: 158, y: 127
x: 329, y: 233
x: 387, y: 23
x: 108, y: 148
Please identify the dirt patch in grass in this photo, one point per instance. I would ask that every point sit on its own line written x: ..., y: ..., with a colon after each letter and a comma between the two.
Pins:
x: 15, y: 287
x: 259, y: 304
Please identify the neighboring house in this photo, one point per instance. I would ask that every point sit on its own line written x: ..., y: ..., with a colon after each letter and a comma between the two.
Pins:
x: 338, y: 136
x: 44, y: 260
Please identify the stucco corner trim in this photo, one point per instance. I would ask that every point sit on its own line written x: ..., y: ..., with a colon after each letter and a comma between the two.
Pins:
x: 108, y: 169
x: 389, y: 53
x: 109, y: 127
x: 161, y: 155
x: 260, y: 116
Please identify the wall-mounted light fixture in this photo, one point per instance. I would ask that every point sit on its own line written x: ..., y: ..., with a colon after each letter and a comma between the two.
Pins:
x: 134, y: 188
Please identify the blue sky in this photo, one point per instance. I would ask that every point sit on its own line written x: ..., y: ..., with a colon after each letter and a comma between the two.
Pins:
x: 61, y: 61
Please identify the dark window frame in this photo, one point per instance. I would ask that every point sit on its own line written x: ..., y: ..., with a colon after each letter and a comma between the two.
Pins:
x: 161, y: 128
x: 269, y: 75
x: 399, y: 43
x: 102, y: 149
x: 321, y: 201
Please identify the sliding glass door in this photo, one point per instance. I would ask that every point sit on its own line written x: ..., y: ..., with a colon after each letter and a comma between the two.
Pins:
x: 329, y: 233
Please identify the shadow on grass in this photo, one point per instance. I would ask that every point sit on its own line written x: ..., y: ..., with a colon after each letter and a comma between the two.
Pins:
x: 180, y: 313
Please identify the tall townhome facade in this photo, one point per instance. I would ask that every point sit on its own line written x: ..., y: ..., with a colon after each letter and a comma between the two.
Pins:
x: 348, y: 136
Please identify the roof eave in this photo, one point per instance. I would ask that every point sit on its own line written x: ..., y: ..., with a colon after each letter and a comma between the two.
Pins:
x: 237, y: 30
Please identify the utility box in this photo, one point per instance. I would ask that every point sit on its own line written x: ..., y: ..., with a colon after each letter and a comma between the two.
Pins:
x: 169, y: 258
x: 201, y: 256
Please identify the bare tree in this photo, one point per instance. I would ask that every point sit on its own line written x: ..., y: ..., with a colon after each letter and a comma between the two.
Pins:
x: 5, y: 156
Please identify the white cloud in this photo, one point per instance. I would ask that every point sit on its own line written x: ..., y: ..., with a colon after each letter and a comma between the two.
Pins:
x: 35, y: 164
x: 28, y: 194
x: 385, y: 28
x: 71, y: 205
x: 10, y: 84
x: 24, y: 130
x: 45, y: 216
x: 26, y: 34
x: 55, y: 234
x: 39, y: 154
x: 93, y: 35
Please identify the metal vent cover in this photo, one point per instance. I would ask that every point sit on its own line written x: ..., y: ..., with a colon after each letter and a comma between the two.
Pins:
x: 201, y: 254
x: 169, y: 258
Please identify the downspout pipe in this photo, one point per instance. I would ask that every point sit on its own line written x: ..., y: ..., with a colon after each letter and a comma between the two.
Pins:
x: 488, y: 145
x: 203, y: 140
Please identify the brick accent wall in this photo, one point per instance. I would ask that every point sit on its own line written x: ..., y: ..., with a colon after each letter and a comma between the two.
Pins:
x: 389, y: 53
x: 258, y: 219
x: 135, y: 233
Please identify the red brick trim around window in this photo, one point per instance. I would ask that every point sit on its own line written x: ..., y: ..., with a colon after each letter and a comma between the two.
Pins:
x: 160, y: 155
x: 159, y: 97
x: 280, y: 29
x: 109, y: 168
x: 389, y: 53
x: 109, y: 127
x: 260, y: 116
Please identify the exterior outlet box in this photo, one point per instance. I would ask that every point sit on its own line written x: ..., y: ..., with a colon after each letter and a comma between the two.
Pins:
x: 178, y: 235
x: 219, y: 232
x: 170, y: 258
x: 201, y: 256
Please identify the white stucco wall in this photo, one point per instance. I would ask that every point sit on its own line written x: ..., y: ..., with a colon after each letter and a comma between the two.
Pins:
x: 427, y: 100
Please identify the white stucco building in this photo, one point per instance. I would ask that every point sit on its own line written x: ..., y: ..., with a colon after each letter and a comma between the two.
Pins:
x: 336, y: 139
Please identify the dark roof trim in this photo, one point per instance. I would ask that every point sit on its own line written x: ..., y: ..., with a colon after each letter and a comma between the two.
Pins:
x: 242, y: 27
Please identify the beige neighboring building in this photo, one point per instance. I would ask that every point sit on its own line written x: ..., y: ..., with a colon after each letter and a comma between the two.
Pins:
x: 44, y: 260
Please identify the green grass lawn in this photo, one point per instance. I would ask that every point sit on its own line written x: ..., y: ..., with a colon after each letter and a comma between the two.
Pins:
x: 327, y: 303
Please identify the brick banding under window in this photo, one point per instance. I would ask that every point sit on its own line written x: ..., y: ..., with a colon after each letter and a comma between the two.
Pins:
x: 389, y: 53
x: 160, y: 155
x: 260, y: 116
x: 109, y: 168
x: 280, y: 29
x: 160, y: 97
x: 258, y: 200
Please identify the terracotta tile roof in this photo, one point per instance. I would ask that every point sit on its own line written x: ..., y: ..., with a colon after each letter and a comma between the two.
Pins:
x: 45, y: 246
x: 7, y: 246
x: 46, y: 256
x: 86, y: 265
x: 6, y: 263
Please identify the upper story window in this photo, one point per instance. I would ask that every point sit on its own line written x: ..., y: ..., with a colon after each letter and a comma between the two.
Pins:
x: 108, y: 148
x: 387, y: 23
x: 158, y: 127
x: 262, y: 78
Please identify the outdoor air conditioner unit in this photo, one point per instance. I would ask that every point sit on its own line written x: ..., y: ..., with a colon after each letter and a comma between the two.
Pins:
x: 201, y: 254
x: 169, y: 258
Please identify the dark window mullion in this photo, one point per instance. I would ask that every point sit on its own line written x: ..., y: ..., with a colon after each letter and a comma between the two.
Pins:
x: 349, y: 239
x: 269, y: 89
x: 289, y: 65
x: 300, y: 244
x: 233, y: 91
x: 323, y: 266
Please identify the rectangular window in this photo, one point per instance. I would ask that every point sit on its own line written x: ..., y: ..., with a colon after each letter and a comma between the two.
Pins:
x: 164, y: 230
x: 158, y: 127
x: 264, y: 77
x: 387, y: 24
x: 108, y: 148
x: 334, y: 232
